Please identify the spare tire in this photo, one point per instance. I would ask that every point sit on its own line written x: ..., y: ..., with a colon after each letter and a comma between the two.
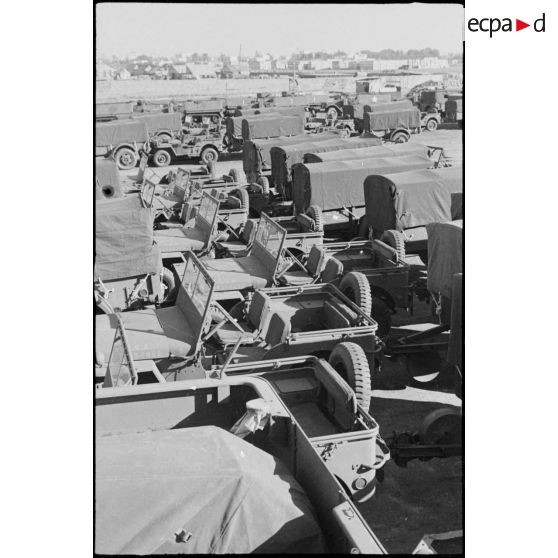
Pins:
x: 238, y: 176
x: 396, y: 240
x: 315, y: 213
x: 356, y: 287
x: 349, y: 361
x: 242, y: 195
x: 169, y: 284
x: 264, y: 183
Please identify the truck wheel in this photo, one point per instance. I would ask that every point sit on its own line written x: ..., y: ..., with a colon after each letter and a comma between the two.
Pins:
x: 399, y: 137
x: 126, y: 158
x: 161, y: 158
x: 169, y: 285
x: 381, y: 313
x: 237, y: 176
x: 350, y: 362
x: 355, y: 287
x: 431, y: 124
x: 396, y: 240
x: 208, y: 155
x: 332, y: 113
x: 315, y: 213
x: 264, y: 183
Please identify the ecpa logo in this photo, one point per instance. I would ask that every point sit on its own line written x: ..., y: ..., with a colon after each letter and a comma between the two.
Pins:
x: 493, y: 25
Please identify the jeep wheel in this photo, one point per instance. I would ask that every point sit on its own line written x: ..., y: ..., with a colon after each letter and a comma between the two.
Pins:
x: 332, y: 113
x: 168, y: 283
x: 209, y: 155
x: 161, y: 158
x: 126, y: 158
x: 381, y: 314
x: 350, y: 362
x: 431, y: 124
x: 264, y: 183
x: 399, y: 137
x: 396, y: 240
x: 355, y: 287
x: 442, y: 426
x: 315, y: 213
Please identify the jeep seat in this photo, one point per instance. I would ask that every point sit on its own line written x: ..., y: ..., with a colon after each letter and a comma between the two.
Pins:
x: 299, y: 277
x: 152, y: 333
x: 235, y: 274
x: 246, y: 238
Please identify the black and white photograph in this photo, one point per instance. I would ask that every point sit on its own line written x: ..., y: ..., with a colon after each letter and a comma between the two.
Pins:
x: 278, y: 278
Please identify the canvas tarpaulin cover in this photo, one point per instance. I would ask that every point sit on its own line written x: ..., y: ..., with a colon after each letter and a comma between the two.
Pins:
x: 120, y: 131
x: 301, y: 100
x: 106, y: 174
x: 223, y: 493
x: 160, y: 121
x: 284, y: 157
x: 395, y: 150
x: 109, y: 109
x: 445, y: 255
x: 215, y: 105
x: 387, y: 120
x: 413, y: 199
x: 124, y: 239
x: 233, y: 124
x: 272, y: 126
x: 339, y: 184
x: 369, y: 103
x: 256, y: 154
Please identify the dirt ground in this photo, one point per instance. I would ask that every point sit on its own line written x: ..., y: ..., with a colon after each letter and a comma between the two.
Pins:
x: 425, y: 497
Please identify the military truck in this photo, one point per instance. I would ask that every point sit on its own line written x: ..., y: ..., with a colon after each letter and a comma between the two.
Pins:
x: 121, y: 140
x: 281, y: 410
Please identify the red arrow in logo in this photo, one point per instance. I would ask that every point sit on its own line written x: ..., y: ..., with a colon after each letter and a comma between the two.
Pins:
x: 519, y: 25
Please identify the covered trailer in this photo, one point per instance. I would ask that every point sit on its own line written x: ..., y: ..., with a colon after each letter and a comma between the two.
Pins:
x: 408, y: 201
x: 284, y: 157
x: 272, y: 126
x: 392, y: 124
x: 333, y: 191
x: 128, y: 264
x: 109, y: 111
x: 256, y: 154
x: 121, y: 140
x: 107, y: 180
x: 395, y: 150
x: 367, y: 103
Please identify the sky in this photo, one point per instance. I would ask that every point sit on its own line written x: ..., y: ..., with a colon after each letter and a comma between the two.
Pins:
x: 280, y: 29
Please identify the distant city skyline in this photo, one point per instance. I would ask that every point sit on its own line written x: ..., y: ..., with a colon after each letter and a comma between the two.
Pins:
x: 165, y: 30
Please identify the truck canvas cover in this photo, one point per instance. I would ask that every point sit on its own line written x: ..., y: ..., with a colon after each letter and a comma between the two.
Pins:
x: 120, y: 131
x: 284, y: 157
x: 272, y: 126
x: 445, y: 255
x: 225, y: 495
x: 301, y: 100
x: 124, y: 239
x: 338, y: 184
x: 413, y: 199
x: 395, y: 150
x: 366, y: 103
x: 106, y: 174
x: 388, y: 120
x: 256, y: 154
x: 160, y: 121
x: 110, y: 109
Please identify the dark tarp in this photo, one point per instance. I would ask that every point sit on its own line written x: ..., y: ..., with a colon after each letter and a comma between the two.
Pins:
x: 106, y: 174
x: 120, y: 131
x: 395, y: 150
x: 431, y: 97
x: 365, y: 103
x: 284, y: 157
x: 124, y: 239
x: 110, y: 109
x: 256, y: 154
x: 233, y: 124
x: 160, y: 121
x: 224, y: 493
x: 272, y: 126
x: 388, y: 120
x: 455, y: 347
x: 413, y: 199
x: 453, y: 107
x: 339, y: 184
x: 445, y: 255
